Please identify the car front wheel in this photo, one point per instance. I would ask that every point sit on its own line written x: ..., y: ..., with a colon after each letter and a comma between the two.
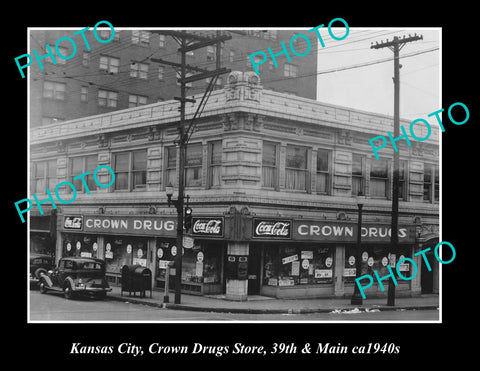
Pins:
x: 42, y: 287
x: 68, y: 292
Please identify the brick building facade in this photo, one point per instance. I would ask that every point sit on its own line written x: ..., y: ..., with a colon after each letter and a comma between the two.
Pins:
x: 272, y: 180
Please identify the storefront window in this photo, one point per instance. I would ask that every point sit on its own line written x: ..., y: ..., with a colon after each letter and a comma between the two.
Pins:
x: 83, y: 245
x: 201, y: 264
x: 291, y: 266
x: 375, y: 258
x: 124, y: 251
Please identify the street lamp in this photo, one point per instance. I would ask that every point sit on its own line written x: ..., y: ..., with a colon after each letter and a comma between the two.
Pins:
x: 178, y: 203
x: 357, y: 297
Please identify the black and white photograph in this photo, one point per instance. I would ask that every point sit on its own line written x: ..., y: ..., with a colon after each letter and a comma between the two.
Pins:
x: 283, y: 200
x: 285, y: 191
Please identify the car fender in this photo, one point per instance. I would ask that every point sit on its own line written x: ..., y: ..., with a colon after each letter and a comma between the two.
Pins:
x: 47, y: 280
x: 70, y: 280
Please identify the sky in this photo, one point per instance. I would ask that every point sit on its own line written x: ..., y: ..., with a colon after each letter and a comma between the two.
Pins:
x: 370, y: 88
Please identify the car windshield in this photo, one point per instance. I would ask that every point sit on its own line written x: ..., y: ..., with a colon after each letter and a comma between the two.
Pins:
x: 91, y: 265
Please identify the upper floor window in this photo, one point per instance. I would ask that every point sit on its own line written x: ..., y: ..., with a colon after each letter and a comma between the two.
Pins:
x: 86, y: 59
x: 139, y: 70
x: 379, y: 178
x: 296, y: 168
x: 80, y: 165
x: 323, y: 169
x: 171, y: 166
x: 290, y: 70
x: 269, y: 165
x: 358, y: 168
x: 270, y: 34
x: 258, y: 61
x: 136, y: 100
x: 63, y: 52
x: 140, y: 37
x: 161, y: 41
x: 44, y: 176
x: 107, y: 98
x: 431, y: 182
x: 84, y: 93
x: 130, y: 170
x: 212, y: 52
x: 109, y: 64
x: 54, y: 90
x: 215, y: 157
x: 193, y: 165
x: 107, y: 34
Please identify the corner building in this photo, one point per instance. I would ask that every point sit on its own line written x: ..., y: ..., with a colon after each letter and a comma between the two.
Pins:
x: 271, y: 180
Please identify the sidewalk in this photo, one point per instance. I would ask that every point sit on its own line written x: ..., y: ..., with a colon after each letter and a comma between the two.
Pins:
x: 263, y: 305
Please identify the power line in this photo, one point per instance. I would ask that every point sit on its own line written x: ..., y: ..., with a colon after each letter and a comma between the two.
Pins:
x: 356, y: 65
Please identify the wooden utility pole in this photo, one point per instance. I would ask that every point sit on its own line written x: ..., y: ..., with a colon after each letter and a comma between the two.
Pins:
x: 188, y: 42
x: 395, y: 45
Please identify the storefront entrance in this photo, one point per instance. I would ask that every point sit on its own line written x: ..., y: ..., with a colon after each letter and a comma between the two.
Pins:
x: 427, y: 276
x: 254, y: 265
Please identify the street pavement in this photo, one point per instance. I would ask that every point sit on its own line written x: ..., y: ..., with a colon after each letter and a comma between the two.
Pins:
x: 266, y: 305
x: 53, y: 307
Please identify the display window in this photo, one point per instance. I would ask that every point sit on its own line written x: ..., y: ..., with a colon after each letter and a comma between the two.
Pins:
x: 201, y: 264
x: 83, y: 245
x: 375, y: 258
x: 120, y: 251
x: 302, y: 265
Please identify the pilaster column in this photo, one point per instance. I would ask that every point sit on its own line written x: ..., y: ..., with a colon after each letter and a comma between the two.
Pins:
x: 237, y: 289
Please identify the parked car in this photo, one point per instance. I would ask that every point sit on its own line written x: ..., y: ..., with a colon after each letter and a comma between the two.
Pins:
x: 77, y: 276
x: 39, y: 264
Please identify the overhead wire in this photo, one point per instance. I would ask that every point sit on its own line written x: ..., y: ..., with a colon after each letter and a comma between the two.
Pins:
x: 123, y: 78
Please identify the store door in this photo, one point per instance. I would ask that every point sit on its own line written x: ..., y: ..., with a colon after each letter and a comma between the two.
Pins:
x: 427, y: 276
x: 254, y: 264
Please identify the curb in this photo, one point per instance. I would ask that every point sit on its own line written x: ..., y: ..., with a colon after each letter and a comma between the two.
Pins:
x: 265, y: 311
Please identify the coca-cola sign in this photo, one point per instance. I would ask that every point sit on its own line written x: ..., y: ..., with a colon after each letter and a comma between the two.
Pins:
x: 73, y: 222
x: 207, y: 226
x: 272, y: 228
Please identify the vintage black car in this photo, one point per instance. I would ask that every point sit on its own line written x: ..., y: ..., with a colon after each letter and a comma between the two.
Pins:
x: 39, y: 264
x: 77, y: 276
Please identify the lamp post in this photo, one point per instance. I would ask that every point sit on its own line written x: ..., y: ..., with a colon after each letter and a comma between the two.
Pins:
x: 357, y: 297
x: 178, y: 203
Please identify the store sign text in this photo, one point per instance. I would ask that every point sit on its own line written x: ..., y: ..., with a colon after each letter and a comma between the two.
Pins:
x: 124, y: 225
x: 207, y: 226
x: 73, y: 222
x: 342, y: 231
x: 272, y: 228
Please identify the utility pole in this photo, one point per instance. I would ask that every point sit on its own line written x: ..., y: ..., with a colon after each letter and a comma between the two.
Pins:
x: 395, y: 45
x: 188, y: 42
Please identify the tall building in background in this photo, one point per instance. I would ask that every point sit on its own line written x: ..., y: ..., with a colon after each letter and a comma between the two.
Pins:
x: 120, y: 74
